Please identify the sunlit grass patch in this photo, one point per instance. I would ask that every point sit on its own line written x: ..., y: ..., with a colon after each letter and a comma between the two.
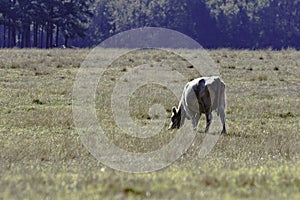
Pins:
x: 42, y: 156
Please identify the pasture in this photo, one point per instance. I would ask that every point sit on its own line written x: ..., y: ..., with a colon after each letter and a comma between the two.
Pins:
x: 42, y: 156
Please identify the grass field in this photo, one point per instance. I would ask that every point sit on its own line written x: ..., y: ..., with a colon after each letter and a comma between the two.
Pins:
x: 42, y: 156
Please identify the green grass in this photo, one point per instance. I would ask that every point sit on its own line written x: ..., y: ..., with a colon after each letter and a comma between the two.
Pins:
x: 42, y: 156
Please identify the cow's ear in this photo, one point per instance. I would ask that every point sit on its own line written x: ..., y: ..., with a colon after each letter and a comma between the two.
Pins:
x: 174, y: 110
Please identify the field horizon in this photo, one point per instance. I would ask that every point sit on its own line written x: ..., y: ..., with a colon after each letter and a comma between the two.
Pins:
x: 42, y: 156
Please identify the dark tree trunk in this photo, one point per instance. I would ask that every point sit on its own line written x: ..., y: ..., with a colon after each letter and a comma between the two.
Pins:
x: 47, y: 39
x: 57, y: 36
x: 27, y: 36
x: 50, y: 25
x: 66, y: 41
x: 20, y: 39
x: 4, y: 32
x: 13, y: 33
x: 9, y: 34
x: 42, y: 37
x: 35, y: 37
x: 23, y: 40
x: 49, y: 36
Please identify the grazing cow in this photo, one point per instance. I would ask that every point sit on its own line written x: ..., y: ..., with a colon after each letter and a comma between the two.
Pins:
x: 201, y: 95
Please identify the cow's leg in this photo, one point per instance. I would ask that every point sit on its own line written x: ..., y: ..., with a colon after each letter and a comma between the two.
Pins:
x: 223, y: 120
x: 196, y: 120
x: 208, y: 121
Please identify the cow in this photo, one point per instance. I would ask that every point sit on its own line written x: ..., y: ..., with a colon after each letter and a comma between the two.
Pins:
x: 200, y: 96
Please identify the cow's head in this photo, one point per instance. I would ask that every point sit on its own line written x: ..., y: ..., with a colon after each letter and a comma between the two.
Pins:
x: 175, y: 118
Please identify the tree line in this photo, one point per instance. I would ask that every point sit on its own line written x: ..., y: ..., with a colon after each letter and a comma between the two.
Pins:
x: 213, y: 23
x: 43, y: 23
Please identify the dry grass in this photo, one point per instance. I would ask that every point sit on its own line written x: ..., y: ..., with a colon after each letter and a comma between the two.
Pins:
x: 42, y: 156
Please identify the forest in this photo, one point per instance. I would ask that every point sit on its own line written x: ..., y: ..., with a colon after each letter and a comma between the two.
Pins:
x: 239, y: 24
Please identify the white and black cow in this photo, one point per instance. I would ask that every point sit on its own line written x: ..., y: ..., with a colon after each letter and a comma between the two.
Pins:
x: 201, y: 95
